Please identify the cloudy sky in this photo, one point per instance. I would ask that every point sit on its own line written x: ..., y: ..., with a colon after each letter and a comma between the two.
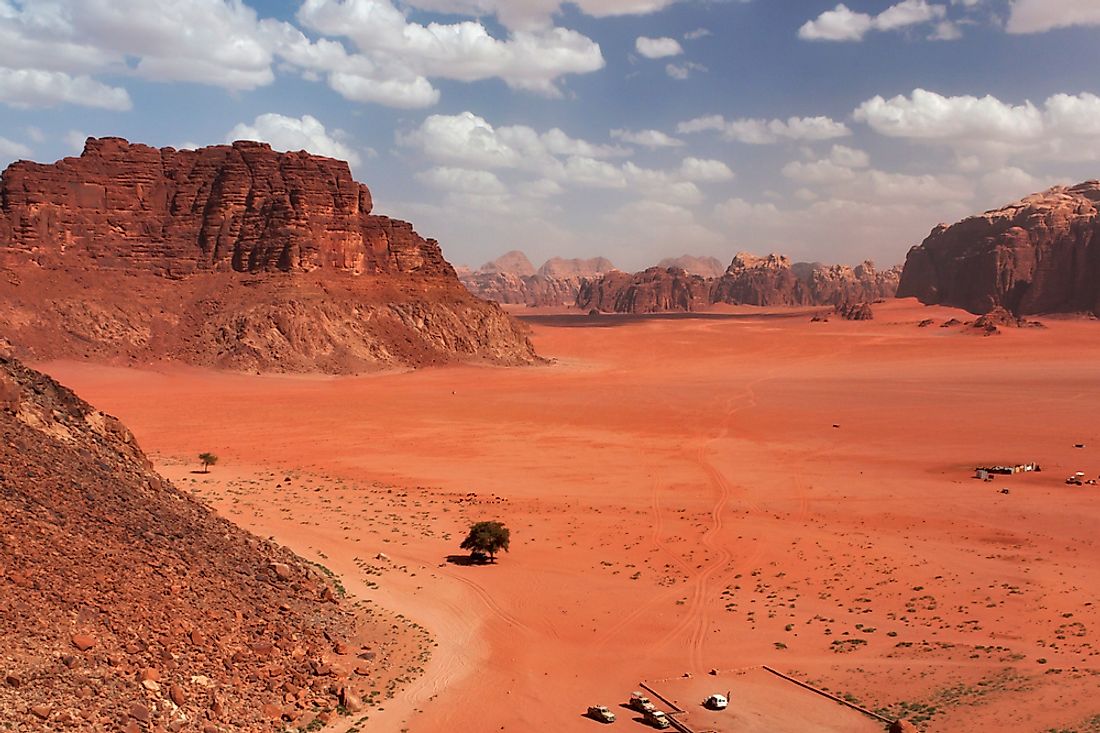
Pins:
x: 634, y: 129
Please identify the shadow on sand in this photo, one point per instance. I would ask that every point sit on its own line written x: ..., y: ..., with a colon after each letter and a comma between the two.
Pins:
x: 612, y: 320
x: 468, y: 560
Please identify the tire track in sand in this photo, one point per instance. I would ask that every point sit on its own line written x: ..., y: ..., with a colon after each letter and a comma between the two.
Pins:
x: 695, y: 618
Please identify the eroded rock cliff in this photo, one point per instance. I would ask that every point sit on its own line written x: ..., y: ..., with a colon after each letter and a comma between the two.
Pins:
x: 234, y: 255
x: 1038, y: 255
x: 655, y: 290
x: 749, y: 280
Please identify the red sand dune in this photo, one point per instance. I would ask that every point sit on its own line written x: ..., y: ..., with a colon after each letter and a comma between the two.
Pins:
x: 687, y: 493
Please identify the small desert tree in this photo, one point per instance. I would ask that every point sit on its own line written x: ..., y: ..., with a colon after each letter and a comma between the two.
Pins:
x: 486, y: 538
x: 208, y: 460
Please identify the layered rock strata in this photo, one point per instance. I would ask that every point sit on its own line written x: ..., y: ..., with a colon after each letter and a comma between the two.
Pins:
x: 236, y: 256
x: 1038, y: 255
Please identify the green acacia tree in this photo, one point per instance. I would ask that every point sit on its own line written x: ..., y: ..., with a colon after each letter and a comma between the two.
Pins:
x: 208, y: 460
x: 487, y: 538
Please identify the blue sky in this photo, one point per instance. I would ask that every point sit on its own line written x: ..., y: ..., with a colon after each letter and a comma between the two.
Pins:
x: 632, y: 129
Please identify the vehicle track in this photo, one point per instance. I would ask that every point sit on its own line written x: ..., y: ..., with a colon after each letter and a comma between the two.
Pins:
x: 695, y: 617
x: 490, y: 603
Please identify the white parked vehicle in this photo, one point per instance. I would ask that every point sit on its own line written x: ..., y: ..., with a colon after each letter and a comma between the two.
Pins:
x: 716, y: 702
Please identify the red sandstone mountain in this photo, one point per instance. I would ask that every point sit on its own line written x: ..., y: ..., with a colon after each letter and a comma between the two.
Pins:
x: 512, y: 279
x: 126, y: 605
x: 510, y: 263
x: 1037, y: 255
x: 704, y: 266
x: 749, y: 280
x: 651, y: 291
x: 559, y: 269
x: 232, y: 256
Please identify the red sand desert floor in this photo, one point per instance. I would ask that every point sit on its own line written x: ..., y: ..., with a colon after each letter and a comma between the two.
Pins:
x: 686, y: 494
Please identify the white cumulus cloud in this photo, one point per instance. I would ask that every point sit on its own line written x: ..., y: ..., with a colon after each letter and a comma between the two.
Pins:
x: 705, y: 170
x: 54, y: 51
x: 39, y: 88
x: 928, y: 115
x: 296, y: 133
x: 391, y: 46
x: 471, y: 140
x: 683, y: 70
x: 764, y: 132
x: 647, y: 138
x: 1065, y: 127
x: 1038, y: 16
x: 527, y: 14
x: 657, y: 48
x: 462, y: 180
x: 844, y: 24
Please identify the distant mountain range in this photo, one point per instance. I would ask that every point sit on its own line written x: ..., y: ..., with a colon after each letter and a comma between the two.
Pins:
x: 684, y: 283
x: 749, y: 280
x: 513, y: 279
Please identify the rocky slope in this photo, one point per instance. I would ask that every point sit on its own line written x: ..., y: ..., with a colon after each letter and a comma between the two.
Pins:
x: 237, y: 256
x: 512, y: 279
x: 1037, y: 255
x: 125, y: 605
x: 749, y: 280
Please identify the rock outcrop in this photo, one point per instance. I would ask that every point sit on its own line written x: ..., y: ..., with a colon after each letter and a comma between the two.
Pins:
x: 125, y: 604
x: 513, y: 280
x: 1038, y: 255
x: 854, y: 311
x: 237, y: 256
x: 654, y: 290
x: 749, y: 280
x: 752, y: 280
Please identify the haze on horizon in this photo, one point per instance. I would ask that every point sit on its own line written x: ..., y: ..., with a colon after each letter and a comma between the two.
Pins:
x: 632, y: 129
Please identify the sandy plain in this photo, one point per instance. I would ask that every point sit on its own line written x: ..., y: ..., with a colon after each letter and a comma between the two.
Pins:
x: 686, y: 494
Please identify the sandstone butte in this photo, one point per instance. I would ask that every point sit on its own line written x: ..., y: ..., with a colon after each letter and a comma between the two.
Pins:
x: 157, y: 614
x: 232, y: 256
x: 749, y: 280
x: 1038, y: 255
x: 512, y: 279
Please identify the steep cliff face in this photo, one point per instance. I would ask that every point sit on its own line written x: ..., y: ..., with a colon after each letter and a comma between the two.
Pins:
x: 272, y: 229
x: 654, y: 290
x: 241, y: 207
x: 840, y: 284
x: 512, y: 279
x: 749, y: 280
x: 125, y: 604
x: 1037, y: 255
